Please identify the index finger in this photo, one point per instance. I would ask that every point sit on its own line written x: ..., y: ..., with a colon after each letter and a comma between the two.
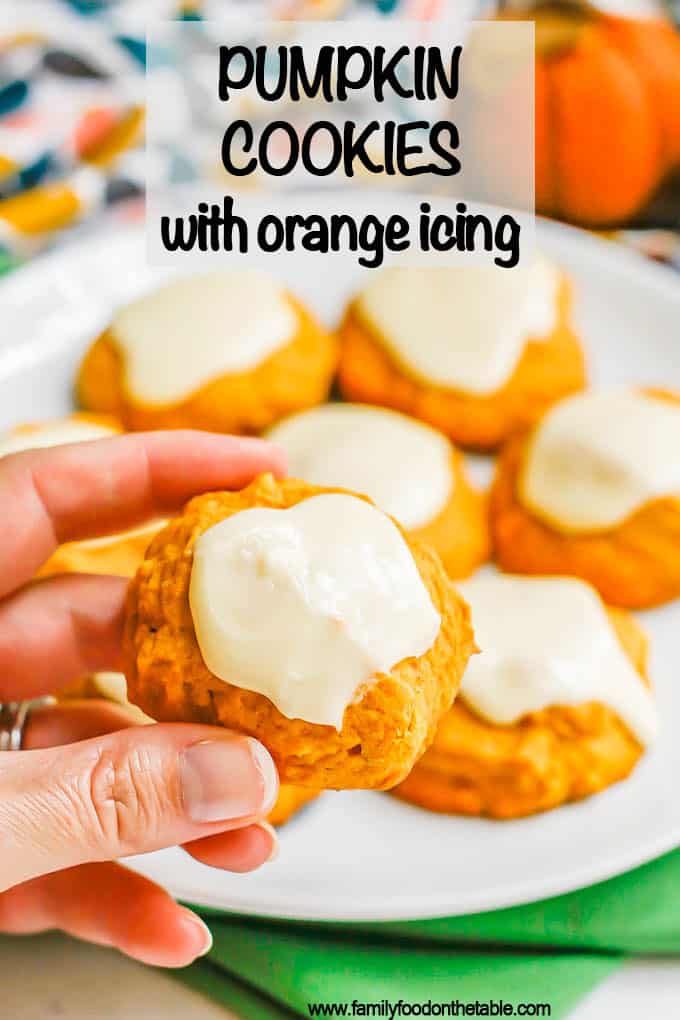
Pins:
x: 95, y: 488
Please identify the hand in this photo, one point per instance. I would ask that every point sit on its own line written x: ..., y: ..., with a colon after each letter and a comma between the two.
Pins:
x: 91, y: 788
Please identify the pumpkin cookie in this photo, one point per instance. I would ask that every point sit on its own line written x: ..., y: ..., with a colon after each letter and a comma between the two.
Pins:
x: 111, y: 554
x: 554, y: 709
x: 73, y: 428
x: 303, y: 617
x: 594, y: 491
x: 289, y: 801
x: 407, y: 469
x: 118, y: 554
x: 225, y: 352
x: 110, y: 687
x: 477, y: 352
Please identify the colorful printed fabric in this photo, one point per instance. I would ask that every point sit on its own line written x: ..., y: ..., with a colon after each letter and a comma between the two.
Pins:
x: 71, y: 114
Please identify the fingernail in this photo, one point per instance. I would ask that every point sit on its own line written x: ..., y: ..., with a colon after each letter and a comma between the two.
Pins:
x: 227, y: 779
x: 271, y: 831
x: 195, y: 924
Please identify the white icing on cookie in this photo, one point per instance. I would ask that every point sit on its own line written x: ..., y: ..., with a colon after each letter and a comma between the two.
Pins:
x: 401, y: 464
x: 191, y: 331
x: 598, y: 457
x: 462, y: 327
x: 548, y: 641
x: 306, y: 604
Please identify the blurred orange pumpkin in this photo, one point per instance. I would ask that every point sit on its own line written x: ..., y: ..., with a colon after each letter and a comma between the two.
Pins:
x: 607, y: 111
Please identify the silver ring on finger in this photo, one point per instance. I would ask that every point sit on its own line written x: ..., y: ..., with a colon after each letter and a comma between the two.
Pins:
x: 13, y: 718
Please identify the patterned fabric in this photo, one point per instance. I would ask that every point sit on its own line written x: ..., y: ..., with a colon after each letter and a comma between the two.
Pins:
x: 71, y: 114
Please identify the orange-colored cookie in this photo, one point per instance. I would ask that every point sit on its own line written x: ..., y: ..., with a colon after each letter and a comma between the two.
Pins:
x: 635, y: 565
x: 85, y: 687
x: 110, y: 687
x: 114, y: 554
x: 32, y: 430
x: 289, y: 802
x: 296, y: 376
x: 548, y: 369
x: 560, y: 754
x: 460, y: 533
x: 408, y: 469
x: 385, y: 729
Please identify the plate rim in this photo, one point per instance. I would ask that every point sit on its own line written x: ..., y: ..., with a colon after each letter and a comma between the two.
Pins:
x: 522, y: 894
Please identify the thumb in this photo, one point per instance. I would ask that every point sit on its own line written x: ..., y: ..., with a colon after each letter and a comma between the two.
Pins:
x: 137, y: 790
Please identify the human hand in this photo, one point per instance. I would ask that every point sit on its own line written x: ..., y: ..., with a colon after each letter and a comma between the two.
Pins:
x: 89, y: 787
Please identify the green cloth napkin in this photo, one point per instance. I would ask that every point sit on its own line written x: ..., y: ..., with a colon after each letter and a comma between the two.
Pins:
x: 7, y: 262
x: 270, y: 974
x: 270, y: 970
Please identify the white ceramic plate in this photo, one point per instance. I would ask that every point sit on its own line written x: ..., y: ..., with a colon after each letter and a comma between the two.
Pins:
x: 361, y: 855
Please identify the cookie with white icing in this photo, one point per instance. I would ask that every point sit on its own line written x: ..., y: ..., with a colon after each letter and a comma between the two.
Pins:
x: 408, y: 469
x: 303, y: 617
x: 594, y: 491
x: 225, y: 352
x: 478, y: 352
x: 556, y: 706
x: 42, y: 435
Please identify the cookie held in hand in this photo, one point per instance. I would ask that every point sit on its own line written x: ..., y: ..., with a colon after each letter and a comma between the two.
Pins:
x: 303, y: 617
